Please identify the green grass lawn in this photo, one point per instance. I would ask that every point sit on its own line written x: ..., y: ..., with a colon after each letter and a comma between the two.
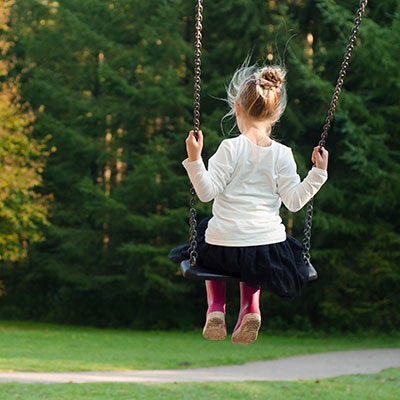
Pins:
x: 28, y: 346
x: 382, y: 386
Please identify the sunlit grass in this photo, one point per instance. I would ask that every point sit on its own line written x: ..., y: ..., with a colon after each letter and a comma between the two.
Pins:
x: 382, y: 386
x: 30, y: 346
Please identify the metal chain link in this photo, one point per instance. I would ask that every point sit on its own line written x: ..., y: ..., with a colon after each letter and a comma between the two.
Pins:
x: 328, y: 121
x: 196, y: 124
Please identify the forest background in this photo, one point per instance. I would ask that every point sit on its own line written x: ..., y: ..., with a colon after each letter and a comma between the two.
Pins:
x: 95, y: 106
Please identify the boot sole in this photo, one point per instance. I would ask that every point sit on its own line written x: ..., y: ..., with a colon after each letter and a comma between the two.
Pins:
x: 248, y: 330
x: 214, y: 329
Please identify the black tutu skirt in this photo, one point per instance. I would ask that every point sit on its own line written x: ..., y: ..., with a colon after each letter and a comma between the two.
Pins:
x: 277, y: 267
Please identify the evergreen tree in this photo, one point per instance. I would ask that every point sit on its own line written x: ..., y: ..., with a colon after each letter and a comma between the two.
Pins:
x: 112, y: 82
x: 104, y: 77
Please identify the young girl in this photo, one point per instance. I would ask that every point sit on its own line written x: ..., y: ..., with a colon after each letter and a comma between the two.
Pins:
x: 248, y: 178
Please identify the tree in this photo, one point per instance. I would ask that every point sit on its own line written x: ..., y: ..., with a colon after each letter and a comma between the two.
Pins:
x: 105, y: 90
x: 113, y: 83
x: 23, y: 210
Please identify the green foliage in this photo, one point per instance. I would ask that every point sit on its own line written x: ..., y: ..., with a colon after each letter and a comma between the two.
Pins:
x: 112, y: 83
x: 23, y: 211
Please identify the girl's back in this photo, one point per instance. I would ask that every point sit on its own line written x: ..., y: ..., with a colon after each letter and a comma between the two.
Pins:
x: 248, y: 183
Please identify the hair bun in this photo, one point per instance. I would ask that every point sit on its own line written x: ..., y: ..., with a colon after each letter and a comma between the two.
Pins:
x: 272, y: 77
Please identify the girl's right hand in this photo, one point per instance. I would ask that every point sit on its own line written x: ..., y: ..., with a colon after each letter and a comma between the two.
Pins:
x: 194, y: 146
x: 320, y: 160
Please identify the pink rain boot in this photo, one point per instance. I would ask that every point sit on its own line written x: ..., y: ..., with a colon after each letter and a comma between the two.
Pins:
x: 249, y: 321
x: 215, y: 327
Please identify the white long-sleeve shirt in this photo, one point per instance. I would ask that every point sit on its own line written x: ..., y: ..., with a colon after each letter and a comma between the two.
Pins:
x: 248, y: 184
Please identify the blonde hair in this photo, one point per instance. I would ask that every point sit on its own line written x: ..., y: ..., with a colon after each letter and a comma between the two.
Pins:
x: 260, y: 92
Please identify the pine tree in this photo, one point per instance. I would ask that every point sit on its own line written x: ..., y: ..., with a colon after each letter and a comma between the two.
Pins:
x: 113, y: 83
x: 104, y: 77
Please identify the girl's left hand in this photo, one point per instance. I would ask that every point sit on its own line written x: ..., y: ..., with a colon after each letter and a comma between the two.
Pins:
x: 320, y: 157
x: 193, y: 146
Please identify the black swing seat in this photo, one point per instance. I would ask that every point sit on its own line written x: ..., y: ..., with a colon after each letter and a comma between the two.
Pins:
x: 202, y: 274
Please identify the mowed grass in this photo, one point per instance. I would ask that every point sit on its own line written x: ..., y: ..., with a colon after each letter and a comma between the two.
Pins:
x: 29, y: 346
x: 382, y: 386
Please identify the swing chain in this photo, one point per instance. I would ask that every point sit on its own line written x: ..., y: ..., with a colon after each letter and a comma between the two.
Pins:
x: 196, y: 123
x: 328, y: 121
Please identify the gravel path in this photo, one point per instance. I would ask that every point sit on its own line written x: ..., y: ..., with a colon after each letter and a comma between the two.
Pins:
x: 314, y: 366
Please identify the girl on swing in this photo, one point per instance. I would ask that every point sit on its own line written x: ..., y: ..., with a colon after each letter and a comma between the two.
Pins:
x: 248, y: 178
